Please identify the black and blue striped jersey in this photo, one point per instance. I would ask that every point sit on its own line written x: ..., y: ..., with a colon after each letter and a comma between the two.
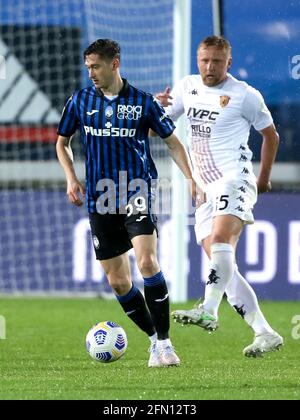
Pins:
x: 114, y: 134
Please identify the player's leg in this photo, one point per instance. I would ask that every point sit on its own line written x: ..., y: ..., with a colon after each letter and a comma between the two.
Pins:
x: 140, y: 224
x: 219, y: 223
x: 142, y: 231
x: 231, y: 205
x: 117, y: 270
x: 197, y: 315
x: 225, y: 233
x: 156, y: 291
x: 243, y: 299
x: 111, y: 244
x: 156, y: 295
x: 238, y: 199
x: 222, y: 244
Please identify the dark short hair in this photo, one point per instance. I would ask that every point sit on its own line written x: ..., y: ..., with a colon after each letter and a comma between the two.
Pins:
x: 216, y: 41
x: 105, y: 48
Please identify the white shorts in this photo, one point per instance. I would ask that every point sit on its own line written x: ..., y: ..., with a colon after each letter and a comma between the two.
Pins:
x: 234, y: 197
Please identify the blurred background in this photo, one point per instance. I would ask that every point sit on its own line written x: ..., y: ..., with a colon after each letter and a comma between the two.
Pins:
x: 45, y: 245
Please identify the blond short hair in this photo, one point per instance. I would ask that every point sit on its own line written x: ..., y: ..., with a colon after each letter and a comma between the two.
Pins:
x: 216, y: 41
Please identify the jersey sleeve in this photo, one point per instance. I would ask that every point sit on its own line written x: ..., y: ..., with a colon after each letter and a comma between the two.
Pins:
x: 255, y: 110
x: 69, y: 121
x: 175, y: 110
x: 159, y: 120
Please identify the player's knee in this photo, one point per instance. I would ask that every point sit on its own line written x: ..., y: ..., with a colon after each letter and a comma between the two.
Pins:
x: 219, y: 238
x: 120, y: 285
x: 148, y: 265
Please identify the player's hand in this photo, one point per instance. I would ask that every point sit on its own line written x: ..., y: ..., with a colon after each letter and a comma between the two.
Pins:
x: 75, y: 192
x: 263, y: 186
x: 165, y: 98
x: 197, y: 194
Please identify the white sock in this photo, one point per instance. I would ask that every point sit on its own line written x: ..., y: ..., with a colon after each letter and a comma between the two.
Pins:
x: 242, y: 297
x: 162, y: 344
x: 153, y: 338
x: 221, y: 273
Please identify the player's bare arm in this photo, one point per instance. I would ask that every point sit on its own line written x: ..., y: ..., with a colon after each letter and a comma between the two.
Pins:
x: 152, y: 133
x: 65, y: 157
x: 179, y: 155
x: 268, y: 154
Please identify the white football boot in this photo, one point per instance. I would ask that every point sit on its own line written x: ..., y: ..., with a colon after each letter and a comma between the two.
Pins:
x: 162, y: 357
x: 154, y: 359
x: 263, y: 343
x: 196, y: 316
x: 169, y: 357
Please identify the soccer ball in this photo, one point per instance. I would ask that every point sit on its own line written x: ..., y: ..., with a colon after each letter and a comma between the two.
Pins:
x: 106, y: 342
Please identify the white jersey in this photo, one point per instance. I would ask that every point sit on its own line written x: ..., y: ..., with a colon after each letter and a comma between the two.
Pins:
x: 219, y: 120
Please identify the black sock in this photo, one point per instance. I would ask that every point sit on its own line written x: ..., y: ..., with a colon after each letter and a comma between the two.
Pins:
x: 135, y: 307
x: 157, y: 299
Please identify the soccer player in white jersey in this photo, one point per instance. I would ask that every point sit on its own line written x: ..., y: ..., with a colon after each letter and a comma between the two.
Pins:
x: 220, y: 111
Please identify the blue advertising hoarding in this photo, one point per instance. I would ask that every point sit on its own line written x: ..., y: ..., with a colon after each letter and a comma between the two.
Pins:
x: 46, y: 247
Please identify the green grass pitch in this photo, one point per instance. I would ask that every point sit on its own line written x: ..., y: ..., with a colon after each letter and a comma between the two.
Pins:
x: 44, y: 357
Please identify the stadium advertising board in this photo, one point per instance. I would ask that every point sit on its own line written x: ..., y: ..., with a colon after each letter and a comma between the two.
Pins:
x: 52, y: 250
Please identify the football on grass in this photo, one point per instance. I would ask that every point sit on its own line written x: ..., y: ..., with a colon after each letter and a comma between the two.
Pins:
x: 106, y: 342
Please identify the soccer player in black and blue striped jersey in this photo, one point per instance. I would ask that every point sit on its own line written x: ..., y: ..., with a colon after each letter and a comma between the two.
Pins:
x: 114, y: 119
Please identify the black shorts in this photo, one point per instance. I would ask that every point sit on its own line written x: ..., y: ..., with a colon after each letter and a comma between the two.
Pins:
x: 112, y: 233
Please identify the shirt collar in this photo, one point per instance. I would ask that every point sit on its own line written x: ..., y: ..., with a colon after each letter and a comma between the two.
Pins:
x: 123, y: 92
